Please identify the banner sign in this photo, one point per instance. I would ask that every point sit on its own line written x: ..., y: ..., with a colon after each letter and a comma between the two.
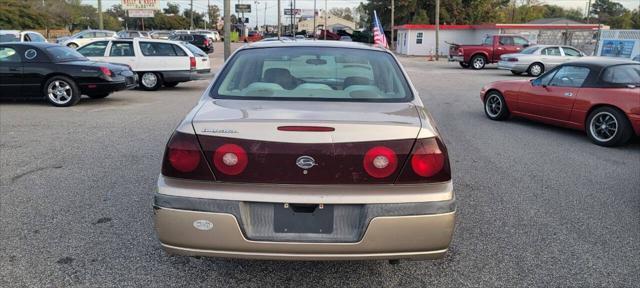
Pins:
x: 617, y: 48
x: 243, y: 8
x: 289, y: 12
x: 140, y: 13
x: 140, y: 4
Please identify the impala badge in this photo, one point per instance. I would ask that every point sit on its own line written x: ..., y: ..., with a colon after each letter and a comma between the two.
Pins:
x: 306, y: 162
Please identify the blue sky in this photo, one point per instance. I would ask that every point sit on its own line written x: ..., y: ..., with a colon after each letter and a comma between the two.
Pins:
x: 201, y: 5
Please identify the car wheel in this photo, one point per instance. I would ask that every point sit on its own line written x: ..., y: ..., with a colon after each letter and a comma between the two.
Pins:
x: 72, y: 45
x: 150, y: 81
x: 609, y: 127
x: 61, y: 91
x: 171, y: 84
x: 495, y: 107
x: 464, y: 65
x: 98, y: 95
x: 516, y: 72
x: 535, y: 69
x: 478, y: 62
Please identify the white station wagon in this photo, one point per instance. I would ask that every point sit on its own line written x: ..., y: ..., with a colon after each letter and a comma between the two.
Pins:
x: 157, y: 62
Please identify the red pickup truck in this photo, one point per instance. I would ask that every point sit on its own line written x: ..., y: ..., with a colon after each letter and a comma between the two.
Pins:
x: 477, y: 56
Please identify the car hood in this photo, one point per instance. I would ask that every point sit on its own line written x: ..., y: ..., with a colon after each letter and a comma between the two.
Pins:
x: 353, y: 121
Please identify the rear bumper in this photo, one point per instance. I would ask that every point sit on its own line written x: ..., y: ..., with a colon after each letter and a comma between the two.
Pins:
x: 456, y: 58
x: 108, y: 87
x: 185, y: 75
x: 245, y: 229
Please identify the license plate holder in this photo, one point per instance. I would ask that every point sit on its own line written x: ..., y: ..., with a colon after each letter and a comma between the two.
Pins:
x: 299, y: 218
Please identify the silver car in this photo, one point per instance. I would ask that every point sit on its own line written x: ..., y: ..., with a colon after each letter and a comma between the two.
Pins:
x: 537, y: 59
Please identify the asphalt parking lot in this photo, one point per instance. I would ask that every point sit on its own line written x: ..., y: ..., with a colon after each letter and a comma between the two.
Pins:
x: 537, y: 205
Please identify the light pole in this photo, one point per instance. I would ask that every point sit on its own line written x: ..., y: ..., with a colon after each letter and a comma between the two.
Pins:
x: 257, y: 22
x: 393, y: 23
x: 437, y: 29
x: 227, y: 29
x: 101, y: 22
x: 326, y: 14
x: 279, y: 18
x: 315, y: 10
x: 191, y: 26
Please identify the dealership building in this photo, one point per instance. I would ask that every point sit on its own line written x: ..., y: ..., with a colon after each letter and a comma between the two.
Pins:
x: 419, y: 39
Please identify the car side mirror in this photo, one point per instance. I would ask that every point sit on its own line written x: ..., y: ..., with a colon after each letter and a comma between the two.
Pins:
x: 536, y: 82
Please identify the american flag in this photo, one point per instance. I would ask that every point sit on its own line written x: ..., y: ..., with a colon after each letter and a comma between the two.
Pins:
x: 378, y: 33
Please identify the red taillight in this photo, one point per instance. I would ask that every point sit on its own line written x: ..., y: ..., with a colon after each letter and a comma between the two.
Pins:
x: 306, y: 129
x: 460, y: 51
x: 183, y: 158
x: 105, y: 71
x: 230, y: 159
x: 206, y: 41
x: 192, y: 61
x: 428, y: 162
x: 380, y: 162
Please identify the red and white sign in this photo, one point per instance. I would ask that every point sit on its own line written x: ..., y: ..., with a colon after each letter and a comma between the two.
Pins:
x: 140, y: 13
x: 140, y: 4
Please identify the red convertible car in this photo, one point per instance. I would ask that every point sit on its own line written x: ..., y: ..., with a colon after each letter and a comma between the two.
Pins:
x: 598, y: 95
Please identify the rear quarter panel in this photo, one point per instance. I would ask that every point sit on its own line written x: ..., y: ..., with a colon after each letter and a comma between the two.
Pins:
x: 625, y: 99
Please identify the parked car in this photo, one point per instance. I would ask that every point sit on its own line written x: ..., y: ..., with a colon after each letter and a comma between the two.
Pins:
x: 346, y: 38
x: 287, y: 160
x: 201, y: 41
x: 57, y: 73
x: 132, y: 34
x: 637, y: 58
x: 160, y: 34
x: 598, y: 95
x: 157, y: 62
x: 21, y: 36
x: 477, y: 56
x: 214, y: 36
x: 535, y: 60
x: 83, y: 37
x: 253, y: 36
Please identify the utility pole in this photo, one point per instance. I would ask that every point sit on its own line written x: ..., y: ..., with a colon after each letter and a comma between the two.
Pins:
x: 393, y: 22
x: 279, y: 19
x: 100, y: 21
x: 227, y: 29
x: 191, y: 26
x: 265, y: 17
x: 326, y: 14
x: 315, y: 10
x: 437, y: 29
x: 589, y: 12
x: 208, y: 14
x: 257, y: 21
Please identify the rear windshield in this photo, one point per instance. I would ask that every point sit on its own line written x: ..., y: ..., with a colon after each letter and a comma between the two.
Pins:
x: 313, y: 74
x: 9, y: 38
x: 622, y: 74
x: 195, y: 50
x: 62, y: 53
x: 530, y: 50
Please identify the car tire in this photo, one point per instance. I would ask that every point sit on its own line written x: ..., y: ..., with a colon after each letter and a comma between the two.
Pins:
x: 478, y: 62
x: 171, y: 84
x: 609, y: 127
x: 464, y: 65
x: 72, y: 45
x: 99, y: 95
x: 516, y: 73
x: 535, y: 69
x: 61, y: 91
x: 150, y: 81
x: 495, y: 107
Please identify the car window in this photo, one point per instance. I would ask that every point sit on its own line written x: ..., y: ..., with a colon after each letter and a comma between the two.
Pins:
x: 121, y: 49
x: 571, y: 52
x: 35, y: 37
x: 95, y: 49
x: 622, y: 74
x: 63, y: 53
x: 312, y: 73
x: 570, y: 76
x: 9, y: 38
x: 520, y: 41
x: 506, y: 40
x: 9, y: 55
x: 157, y: 49
x: 179, y: 51
x: 195, y: 50
x: 551, y: 51
x: 488, y: 41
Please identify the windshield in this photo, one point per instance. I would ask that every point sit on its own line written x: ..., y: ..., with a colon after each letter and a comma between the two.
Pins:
x: 313, y: 74
x: 622, y: 74
x: 195, y: 50
x: 62, y: 53
x: 9, y: 38
x: 530, y: 50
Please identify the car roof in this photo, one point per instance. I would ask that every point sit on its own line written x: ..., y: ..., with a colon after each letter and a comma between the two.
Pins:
x: 601, y: 62
x: 291, y: 42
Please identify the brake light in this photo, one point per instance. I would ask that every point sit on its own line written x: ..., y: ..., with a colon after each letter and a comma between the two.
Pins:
x: 306, y: 129
x: 184, y: 159
x: 105, y: 71
x: 192, y: 62
x: 380, y: 162
x: 428, y: 162
x: 460, y: 51
x: 206, y: 41
x: 230, y: 159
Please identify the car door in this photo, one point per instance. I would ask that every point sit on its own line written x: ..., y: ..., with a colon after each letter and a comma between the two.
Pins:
x: 551, y: 57
x: 10, y: 72
x: 161, y: 56
x: 123, y: 52
x: 552, y: 96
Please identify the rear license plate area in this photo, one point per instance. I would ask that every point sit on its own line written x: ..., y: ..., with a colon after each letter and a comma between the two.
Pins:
x: 303, y: 218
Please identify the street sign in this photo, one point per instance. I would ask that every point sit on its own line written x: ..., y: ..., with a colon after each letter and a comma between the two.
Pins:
x: 140, y: 4
x: 140, y: 13
x: 289, y: 12
x: 243, y: 8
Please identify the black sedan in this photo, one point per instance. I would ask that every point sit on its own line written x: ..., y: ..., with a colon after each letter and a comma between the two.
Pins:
x: 201, y: 41
x: 57, y: 73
